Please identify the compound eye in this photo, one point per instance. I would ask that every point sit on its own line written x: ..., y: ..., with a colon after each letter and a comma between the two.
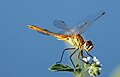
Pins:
x: 88, y: 45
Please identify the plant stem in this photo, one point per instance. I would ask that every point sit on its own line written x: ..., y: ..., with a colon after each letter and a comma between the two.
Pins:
x: 82, y: 72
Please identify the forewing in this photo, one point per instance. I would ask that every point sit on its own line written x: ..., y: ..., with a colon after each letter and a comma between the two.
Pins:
x: 81, y: 28
x: 61, y: 24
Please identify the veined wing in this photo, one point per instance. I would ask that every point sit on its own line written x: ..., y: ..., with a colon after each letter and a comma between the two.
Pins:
x: 61, y: 24
x: 81, y: 28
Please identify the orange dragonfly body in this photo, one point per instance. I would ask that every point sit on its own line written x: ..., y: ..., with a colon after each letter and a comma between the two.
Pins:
x: 74, y: 38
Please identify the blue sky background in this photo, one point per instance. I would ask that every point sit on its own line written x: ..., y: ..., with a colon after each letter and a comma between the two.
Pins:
x: 26, y: 53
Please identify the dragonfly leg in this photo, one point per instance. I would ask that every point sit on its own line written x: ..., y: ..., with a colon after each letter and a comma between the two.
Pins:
x: 89, y: 55
x: 84, y: 61
x: 63, y: 54
x: 71, y: 58
x: 80, y: 54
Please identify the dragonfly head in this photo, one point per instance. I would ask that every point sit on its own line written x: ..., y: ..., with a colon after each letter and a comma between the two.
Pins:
x: 32, y: 27
x: 88, y: 45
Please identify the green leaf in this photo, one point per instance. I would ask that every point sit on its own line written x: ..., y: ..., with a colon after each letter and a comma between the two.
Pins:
x: 78, y: 68
x: 61, y: 67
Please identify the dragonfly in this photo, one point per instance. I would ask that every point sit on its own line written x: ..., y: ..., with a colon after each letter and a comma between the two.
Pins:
x: 74, y: 37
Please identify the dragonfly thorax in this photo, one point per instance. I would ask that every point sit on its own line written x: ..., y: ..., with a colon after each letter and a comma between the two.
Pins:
x: 75, y: 40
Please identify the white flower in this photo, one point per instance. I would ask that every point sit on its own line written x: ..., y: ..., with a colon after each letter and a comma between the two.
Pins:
x: 100, y: 69
x: 86, y: 59
x: 98, y: 62
x: 95, y: 67
x: 95, y: 59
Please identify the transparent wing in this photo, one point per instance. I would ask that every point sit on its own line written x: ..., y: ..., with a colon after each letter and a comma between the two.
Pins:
x: 81, y: 28
x: 61, y: 24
